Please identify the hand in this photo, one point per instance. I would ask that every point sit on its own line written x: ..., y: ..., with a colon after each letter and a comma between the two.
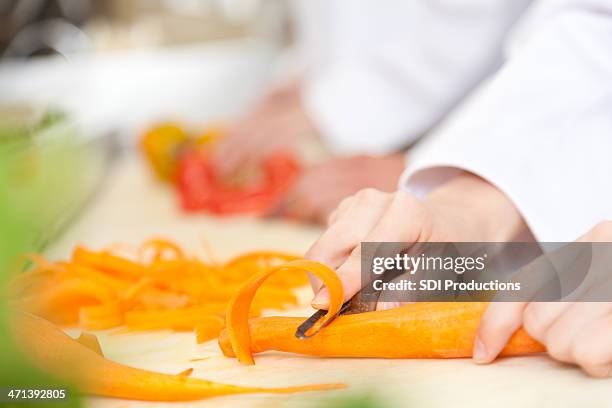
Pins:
x: 323, y: 186
x: 467, y: 208
x: 275, y: 124
x: 573, y: 332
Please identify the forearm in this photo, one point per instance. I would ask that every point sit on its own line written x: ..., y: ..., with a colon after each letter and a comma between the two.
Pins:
x: 523, y: 130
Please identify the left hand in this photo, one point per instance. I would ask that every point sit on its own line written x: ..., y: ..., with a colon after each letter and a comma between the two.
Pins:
x: 322, y: 187
x: 573, y: 332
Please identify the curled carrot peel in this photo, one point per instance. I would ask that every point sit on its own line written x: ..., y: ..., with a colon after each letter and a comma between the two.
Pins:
x: 239, y: 306
x: 419, y: 330
x: 78, y: 364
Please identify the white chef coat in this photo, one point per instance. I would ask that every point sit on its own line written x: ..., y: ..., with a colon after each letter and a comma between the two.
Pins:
x: 378, y: 74
x: 541, y: 128
x: 538, y: 119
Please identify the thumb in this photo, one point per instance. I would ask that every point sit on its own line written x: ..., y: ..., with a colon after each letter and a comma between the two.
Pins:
x: 497, y: 325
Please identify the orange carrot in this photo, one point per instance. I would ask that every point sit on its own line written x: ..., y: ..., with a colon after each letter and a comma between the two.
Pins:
x: 186, y: 373
x: 422, y: 330
x: 178, y: 319
x: 102, y: 316
x: 107, y: 262
x: 91, y: 342
x: 99, y: 290
x: 159, y: 248
x: 209, y: 328
x: 61, y: 302
x: 75, y: 363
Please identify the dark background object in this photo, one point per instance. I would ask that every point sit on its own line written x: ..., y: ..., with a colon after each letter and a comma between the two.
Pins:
x: 42, y: 27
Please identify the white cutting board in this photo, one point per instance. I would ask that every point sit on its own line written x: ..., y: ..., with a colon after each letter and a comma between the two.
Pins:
x: 133, y: 207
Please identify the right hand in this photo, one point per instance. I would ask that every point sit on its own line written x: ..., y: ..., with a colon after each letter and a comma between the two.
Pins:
x: 577, y: 332
x: 322, y: 186
x: 278, y: 121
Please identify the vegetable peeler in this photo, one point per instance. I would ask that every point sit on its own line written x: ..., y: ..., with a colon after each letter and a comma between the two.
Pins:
x: 352, y: 306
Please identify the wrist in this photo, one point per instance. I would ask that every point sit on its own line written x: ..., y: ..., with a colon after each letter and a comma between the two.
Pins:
x: 478, y: 209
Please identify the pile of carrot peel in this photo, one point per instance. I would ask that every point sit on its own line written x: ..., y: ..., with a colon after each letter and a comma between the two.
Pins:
x: 155, y: 287
x: 81, y: 363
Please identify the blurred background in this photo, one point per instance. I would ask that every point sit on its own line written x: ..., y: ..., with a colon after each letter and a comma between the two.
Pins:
x: 121, y: 64
x: 79, y: 82
x: 81, y: 79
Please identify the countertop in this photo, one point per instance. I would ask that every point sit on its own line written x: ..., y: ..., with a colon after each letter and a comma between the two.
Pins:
x: 132, y: 207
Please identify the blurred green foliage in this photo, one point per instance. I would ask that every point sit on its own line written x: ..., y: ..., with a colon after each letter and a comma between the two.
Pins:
x: 364, y: 399
x: 38, y: 162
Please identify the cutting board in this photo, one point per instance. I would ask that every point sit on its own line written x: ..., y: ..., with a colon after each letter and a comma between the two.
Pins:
x: 132, y: 207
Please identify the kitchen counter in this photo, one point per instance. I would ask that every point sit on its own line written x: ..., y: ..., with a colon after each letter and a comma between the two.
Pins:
x: 132, y: 207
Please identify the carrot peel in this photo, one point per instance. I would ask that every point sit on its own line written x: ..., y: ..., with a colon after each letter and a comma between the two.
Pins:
x: 239, y: 306
x: 76, y: 363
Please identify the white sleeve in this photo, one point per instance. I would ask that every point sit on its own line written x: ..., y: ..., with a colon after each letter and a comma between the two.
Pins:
x: 391, y: 72
x: 541, y: 129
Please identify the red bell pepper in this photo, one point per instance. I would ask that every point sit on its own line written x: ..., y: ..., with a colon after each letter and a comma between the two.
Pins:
x: 201, y: 189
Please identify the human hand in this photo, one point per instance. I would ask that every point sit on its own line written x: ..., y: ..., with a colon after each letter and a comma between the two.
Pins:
x: 321, y: 187
x: 277, y: 122
x: 467, y: 208
x: 573, y: 332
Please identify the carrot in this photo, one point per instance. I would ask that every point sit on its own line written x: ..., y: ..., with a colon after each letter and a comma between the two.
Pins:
x: 99, y: 290
x: 91, y: 342
x: 186, y: 373
x: 75, y: 363
x: 239, y: 307
x: 179, y: 319
x: 246, y: 265
x: 107, y: 262
x: 159, y: 248
x: 100, y: 278
x: 61, y: 302
x: 209, y: 328
x: 101, y: 317
x: 422, y: 330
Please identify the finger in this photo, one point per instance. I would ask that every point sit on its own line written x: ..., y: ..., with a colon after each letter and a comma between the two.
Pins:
x: 602, y: 232
x: 540, y: 316
x: 336, y: 244
x: 380, y: 306
x: 250, y: 140
x: 570, y: 324
x: 497, y: 325
x: 387, y: 229
x: 592, y: 348
x: 233, y: 151
x: 388, y: 300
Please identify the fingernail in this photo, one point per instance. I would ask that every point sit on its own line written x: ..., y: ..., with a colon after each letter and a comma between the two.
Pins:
x: 480, y: 352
